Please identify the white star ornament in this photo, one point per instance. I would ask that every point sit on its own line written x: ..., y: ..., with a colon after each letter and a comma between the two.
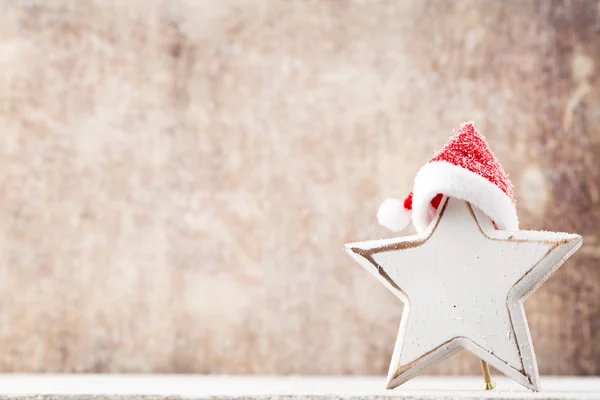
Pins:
x: 463, y: 284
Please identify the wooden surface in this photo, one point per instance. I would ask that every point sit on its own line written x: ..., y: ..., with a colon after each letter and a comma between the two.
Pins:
x: 177, y: 178
x: 134, y: 387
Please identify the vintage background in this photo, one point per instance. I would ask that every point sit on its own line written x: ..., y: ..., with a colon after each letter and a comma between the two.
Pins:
x: 177, y: 178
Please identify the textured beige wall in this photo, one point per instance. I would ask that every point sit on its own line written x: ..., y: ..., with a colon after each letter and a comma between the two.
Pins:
x: 177, y: 178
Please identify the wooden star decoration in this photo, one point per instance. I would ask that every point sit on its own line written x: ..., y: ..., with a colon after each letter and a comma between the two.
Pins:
x: 463, y: 284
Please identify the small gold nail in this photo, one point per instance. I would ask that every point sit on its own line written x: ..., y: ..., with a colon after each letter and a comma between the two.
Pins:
x: 485, y: 369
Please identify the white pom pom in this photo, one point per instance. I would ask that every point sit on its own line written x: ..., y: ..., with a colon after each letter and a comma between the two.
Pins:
x: 392, y: 215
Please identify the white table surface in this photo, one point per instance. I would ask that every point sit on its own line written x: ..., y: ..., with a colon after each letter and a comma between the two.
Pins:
x: 132, y: 387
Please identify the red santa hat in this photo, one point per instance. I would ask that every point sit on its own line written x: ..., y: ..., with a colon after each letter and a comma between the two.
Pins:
x: 466, y: 169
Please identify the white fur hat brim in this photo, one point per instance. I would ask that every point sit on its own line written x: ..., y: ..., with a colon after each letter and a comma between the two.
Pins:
x: 454, y: 181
